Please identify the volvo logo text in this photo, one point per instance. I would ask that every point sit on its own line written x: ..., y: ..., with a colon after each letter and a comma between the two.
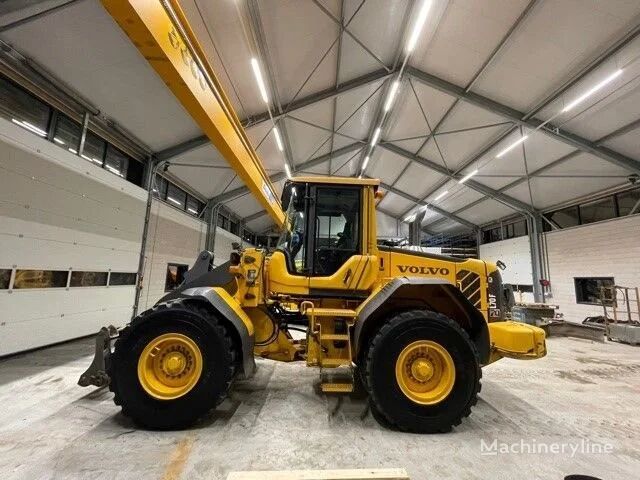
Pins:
x: 423, y: 270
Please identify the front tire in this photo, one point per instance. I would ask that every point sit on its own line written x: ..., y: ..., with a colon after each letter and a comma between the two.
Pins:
x: 422, y: 372
x: 172, y: 365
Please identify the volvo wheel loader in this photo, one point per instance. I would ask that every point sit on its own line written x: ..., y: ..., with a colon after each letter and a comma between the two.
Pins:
x: 414, y: 329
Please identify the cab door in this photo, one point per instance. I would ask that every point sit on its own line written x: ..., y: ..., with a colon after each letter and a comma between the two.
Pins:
x: 338, y: 264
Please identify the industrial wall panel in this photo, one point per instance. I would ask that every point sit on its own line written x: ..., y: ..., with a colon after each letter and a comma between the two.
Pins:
x: 61, y: 212
x: 173, y: 238
x: 516, y: 254
x: 605, y: 249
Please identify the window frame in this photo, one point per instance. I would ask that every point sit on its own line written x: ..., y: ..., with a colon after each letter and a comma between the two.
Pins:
x: 579, y: 293
x: 311, y: 224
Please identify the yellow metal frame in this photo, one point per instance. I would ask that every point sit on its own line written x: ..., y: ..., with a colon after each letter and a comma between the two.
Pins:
x: 163, y: 36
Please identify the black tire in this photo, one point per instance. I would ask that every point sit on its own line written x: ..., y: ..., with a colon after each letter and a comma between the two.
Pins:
x: 218, y: 355
x: 385, y: 394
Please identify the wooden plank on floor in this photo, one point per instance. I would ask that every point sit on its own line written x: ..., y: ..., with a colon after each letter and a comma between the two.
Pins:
x: 350, y: 474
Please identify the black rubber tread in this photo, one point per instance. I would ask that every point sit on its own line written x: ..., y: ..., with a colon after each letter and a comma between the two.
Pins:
x: 387, y: 399
x: 216, y: 346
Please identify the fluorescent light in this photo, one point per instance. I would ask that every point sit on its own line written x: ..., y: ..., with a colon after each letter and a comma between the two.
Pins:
x: 410, y: 218
x: 417, y: 27
x: 73, y: 150
x: 287, y: 170
x: 57, y: 140
x: 365, y: 163
x: 278, y: 139
x: 258, y: 74
x: 113, y: 170
x: 512, y: 146
x: 468, y: 176
x: 441, y: 195
x: 171, y: 199
x: 192, y: 210
x: 376, y: 136
x: 391, y: 96
x: 593, y: 90
x: 29, y: 126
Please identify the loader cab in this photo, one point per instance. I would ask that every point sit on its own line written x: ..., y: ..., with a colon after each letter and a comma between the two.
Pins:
x: 327, y: 236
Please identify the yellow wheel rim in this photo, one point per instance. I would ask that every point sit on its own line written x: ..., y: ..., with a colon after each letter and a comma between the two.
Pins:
x: 425, y: 372
x: 169, y: 366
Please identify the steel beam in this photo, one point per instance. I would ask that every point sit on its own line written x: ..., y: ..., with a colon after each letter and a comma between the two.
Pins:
x: 520, y: 119
x: 253, y: 216
x: 538, y: 173
x: 276, y: 177
x: 254, y: 120
x: 479, y: 187
x: 438, y: 210
x: 34, y: 15
x: 161, y: 32
x: 183, y: 147
x: 595, y: 63
x: 322, y: 95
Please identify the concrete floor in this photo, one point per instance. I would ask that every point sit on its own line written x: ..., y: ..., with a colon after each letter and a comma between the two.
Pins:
x: 581, y: 392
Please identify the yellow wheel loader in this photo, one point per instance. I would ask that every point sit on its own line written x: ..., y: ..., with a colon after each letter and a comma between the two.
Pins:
x: 414, y: 329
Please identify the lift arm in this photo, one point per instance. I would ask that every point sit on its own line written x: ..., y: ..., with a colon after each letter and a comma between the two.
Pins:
x: 159, y: 29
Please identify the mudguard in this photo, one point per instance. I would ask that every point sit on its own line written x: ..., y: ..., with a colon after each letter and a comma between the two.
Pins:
x: 222, y: 302
x: 458, y: 307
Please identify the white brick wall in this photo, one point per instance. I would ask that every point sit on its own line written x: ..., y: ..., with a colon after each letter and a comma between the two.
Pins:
x: 516, y: 254
x: 606, y: 249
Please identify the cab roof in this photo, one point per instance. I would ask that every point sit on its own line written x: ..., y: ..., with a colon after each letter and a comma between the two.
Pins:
x: 337, y: 180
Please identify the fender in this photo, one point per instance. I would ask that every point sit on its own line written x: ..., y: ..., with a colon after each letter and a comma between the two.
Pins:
x: 456, y: 305
x: 222, y: 303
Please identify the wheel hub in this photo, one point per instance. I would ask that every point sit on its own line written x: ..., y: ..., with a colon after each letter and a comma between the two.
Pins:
x: 421, y: 369
x: 170, y: 366
x: 174, y: 364
x: 425, y: 372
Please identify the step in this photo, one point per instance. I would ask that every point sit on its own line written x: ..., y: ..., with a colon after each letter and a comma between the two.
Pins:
x: 336, y: 387
x: 331, y: 312
x: 335, y: 337
x: 335, y: 362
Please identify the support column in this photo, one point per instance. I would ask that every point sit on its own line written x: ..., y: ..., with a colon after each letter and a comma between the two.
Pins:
x: 534, y: 224
x: 151, y: 168
x: 415, y: 228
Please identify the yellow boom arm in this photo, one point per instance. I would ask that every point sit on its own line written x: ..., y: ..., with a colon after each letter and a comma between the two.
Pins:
x: 158, y: 28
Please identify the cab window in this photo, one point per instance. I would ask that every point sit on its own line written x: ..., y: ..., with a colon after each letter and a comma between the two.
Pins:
x: 337, y: 228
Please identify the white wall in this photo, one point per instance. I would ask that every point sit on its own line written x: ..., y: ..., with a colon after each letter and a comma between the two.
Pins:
x: 173, y: 237
x: 60, y: 212
x: 516, y: 255
x: 605, y: 249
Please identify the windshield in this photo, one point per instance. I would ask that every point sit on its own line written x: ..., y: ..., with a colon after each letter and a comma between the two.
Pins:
x: 291, y: 241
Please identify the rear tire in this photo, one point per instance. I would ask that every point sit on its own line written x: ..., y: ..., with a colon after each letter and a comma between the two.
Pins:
x: 459, y: 390
x: 217, y: 357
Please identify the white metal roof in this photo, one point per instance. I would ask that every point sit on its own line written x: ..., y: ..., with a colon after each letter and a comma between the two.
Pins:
x: 479, y: 71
